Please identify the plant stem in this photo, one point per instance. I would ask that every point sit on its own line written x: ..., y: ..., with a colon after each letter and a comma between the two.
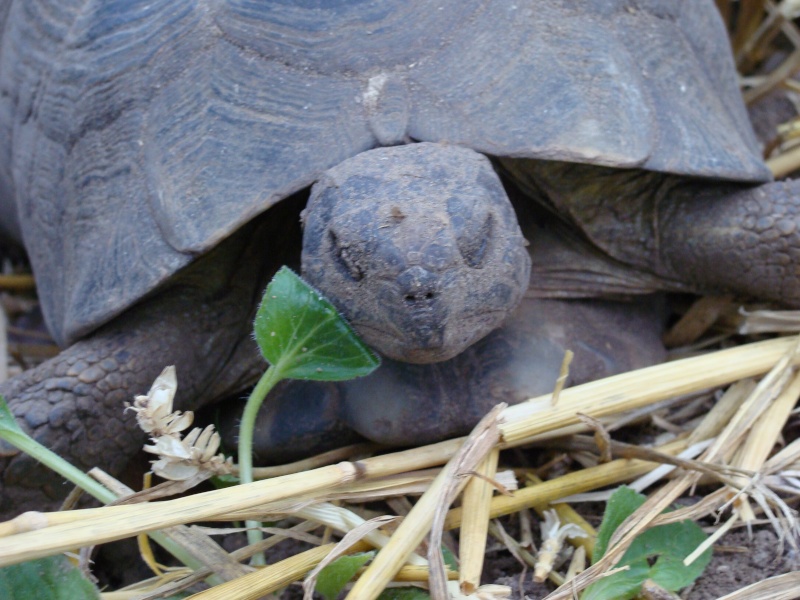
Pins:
x: 68, y: 471
x: 53, y: 461
x: 246, y: 428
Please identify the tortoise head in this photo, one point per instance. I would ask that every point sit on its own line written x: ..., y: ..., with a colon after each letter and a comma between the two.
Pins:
x: 418, y: 246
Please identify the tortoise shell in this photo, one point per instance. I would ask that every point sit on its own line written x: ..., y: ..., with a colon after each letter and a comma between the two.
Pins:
x: 138, y: 134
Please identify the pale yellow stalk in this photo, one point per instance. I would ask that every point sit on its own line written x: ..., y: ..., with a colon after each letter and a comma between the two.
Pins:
x: 271, y: 578
x: 618, y: 393
x: 117, y: 522
x: 646, y: 386
x: 417, y: 523
x: 476, y: 506
x: 766, y: 431
x: 584, y: 480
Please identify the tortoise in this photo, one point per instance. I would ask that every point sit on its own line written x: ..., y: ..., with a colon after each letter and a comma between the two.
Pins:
x: 155, y: 157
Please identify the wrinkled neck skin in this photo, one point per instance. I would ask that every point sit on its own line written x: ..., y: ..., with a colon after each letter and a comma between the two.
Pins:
x: 418, y: 246
x: 626, y: 232
x: 614, y: 208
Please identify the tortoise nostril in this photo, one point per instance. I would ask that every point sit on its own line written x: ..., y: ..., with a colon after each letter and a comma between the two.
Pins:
x: 418, y: 286
x: 414, y: 298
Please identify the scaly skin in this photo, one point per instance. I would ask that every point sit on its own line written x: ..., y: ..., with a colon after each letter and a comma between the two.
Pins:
x: 74, y: 403
x: 742, y: 240
x: 668, y: 232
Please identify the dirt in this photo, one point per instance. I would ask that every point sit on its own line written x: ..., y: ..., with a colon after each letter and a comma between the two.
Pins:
x: 741, y: 560
x: 738, y: 561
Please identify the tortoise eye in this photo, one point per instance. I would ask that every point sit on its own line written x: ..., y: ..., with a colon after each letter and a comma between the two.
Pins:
x: 474, y: 241
x: 347, y: 257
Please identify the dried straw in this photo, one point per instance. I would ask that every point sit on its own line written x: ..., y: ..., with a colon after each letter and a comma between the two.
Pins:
x: 476, y: 508
x: 519, y: 424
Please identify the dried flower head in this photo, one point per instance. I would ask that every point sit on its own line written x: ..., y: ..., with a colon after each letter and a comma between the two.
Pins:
x: 187, y: 458
x: 191, y: 459
x: 553, y: 536
x: 154, y: 410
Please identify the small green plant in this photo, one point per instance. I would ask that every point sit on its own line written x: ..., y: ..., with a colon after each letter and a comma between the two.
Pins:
x: 18, y: 577
x: 657, y: 554
x: 333, y: 578
x: 50, y: 578
x: 302, y: 336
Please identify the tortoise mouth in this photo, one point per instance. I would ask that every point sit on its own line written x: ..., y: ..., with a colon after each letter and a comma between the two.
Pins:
x: 398, y: 345
x: 432, y: 344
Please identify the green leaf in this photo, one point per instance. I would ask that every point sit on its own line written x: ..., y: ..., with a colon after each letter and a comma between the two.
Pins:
x: 334, y: 577
x: 670, y: 544
x: 619, y: 586
x: 51, y: 578
x: 224, y: 481
x: 450, y: 560
x: 619, y: 507
x: 302, y: 335
x: 656, y: 554
x: 415, y: 593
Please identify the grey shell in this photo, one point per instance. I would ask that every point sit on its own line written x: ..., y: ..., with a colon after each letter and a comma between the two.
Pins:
x: 135, y: 135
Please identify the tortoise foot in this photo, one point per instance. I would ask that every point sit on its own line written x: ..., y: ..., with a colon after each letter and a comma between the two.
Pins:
x: 729, y: 239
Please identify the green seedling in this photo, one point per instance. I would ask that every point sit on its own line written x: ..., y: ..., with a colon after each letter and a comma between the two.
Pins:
x: 50, y: 578
x: 53, y: 577
x: 335, y: 576
x: 656, y: 554
x: 301, y: 336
